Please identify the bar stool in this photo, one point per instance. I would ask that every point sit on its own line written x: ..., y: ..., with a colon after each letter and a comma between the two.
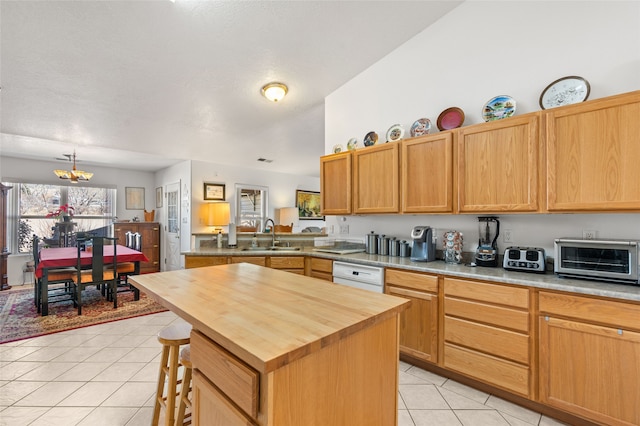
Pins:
x: 185, y: 402
x: 171, y: 338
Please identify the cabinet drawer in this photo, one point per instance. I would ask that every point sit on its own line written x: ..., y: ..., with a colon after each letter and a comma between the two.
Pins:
x: 200, y: 261
x: 616, y: 314
x: 256, y: 260
x: 287, y: 262
x: 234, y: 378
x: 490, y: 314
x: 322, y: 275
x: 212, y: 408
x: 485, y: 338
x: 322, y: 265
x: 505, y: 374
x: 413, y: 280
x: 484, y: 292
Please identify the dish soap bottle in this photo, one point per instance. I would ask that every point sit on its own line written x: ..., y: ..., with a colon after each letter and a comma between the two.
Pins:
x: 254, y: 241
x: 219, y: 238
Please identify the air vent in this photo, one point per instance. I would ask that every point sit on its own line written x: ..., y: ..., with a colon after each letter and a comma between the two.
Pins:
x: 265, y: 160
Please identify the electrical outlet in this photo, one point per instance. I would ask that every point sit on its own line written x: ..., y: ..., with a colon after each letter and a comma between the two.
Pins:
x: 507, y: 236
x: 589, y: 234
x: 344, y: 229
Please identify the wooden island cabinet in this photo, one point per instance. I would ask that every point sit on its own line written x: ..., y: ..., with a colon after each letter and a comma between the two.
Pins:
x: 270, y: 348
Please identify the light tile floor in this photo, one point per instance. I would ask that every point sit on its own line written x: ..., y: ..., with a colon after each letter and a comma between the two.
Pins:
x: 106, y: 375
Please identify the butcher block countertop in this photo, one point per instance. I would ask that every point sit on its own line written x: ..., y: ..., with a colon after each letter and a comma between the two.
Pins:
x: 266, y: 317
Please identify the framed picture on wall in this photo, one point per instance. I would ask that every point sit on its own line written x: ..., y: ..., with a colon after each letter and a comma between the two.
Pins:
x: 214, y: 191
x: 134, y: 198
x: 158, y: 197
x: 308, y: 203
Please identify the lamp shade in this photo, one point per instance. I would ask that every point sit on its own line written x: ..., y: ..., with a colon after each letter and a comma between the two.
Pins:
x: 219, y: 214
x: 288, y: 216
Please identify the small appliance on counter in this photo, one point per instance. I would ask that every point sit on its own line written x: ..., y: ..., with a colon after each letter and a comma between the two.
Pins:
x: 424, y: 247
x: 526, y: 259
x: 487, y: 251
x: 605, y: 260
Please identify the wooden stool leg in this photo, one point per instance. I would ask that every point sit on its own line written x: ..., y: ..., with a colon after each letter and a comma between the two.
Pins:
x: 174, y: 353
x: 184, y: 397
x: 160, y: 390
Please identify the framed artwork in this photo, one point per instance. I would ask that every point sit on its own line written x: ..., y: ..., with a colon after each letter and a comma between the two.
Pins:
x: 158, y: 197
x: 308, y: 203
x: 134, y: 198
x: 214, y: 191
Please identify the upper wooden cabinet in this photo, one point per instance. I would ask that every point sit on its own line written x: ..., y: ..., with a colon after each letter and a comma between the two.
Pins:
x: 427, y: 174
x: 376, y: 179
x: 593, y: 152
x: 497, y: 165
x: 335, y: 184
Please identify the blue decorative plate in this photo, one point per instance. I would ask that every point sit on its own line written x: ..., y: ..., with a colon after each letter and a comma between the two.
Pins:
x: 498, y: 108
x: 370, y: 139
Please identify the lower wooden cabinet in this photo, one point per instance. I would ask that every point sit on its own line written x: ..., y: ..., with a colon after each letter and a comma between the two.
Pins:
x: 320, y: 268
x: 590, y: 357
x: 213, y: 406
x: 418, y: 323
x: 293, y: 264
x: 200, y: 261
x: 487, y: 333
x: 150, y: 233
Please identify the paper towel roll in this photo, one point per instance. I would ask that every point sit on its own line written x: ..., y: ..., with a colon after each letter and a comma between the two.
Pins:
x: 232, y: 235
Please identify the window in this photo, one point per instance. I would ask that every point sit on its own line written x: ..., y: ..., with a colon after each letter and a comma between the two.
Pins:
x: 252, y: 205
x: 93, y: 210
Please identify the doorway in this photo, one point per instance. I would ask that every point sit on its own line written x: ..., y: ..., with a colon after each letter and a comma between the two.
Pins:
x: 172, y: 231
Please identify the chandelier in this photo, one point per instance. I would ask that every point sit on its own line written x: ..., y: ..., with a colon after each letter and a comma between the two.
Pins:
x: 74, y: 175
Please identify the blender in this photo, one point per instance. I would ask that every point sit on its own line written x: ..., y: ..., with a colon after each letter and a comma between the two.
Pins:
x: 487, y: 251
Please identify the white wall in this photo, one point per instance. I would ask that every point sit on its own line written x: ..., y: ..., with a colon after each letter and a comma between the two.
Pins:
x: 282, y: 190
x: 479, y: 50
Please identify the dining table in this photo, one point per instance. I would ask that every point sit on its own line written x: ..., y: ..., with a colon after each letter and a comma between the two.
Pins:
x: 64, y: 257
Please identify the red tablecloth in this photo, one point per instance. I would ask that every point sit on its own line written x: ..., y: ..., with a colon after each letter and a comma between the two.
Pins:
x: 68, y: 256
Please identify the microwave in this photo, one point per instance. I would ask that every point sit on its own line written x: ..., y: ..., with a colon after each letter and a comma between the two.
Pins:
x: 607, y: 260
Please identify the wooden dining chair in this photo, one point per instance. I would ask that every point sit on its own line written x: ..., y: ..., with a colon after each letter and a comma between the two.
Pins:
x: 99, y: 272
x: 59, y: 287
x: 133, y: 240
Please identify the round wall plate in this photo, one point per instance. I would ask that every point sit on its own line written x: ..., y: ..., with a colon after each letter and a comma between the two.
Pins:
x: 565, y: 91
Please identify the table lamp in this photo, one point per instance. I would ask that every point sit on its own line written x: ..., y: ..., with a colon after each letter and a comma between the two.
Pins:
x: 218, y: 216
x: 289, y: 216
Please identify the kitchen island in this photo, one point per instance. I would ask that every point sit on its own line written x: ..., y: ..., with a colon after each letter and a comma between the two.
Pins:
x: 273, y: 348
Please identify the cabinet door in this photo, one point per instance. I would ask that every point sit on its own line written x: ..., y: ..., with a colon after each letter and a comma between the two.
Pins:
x: 427, y: 174
x: 593, y: 155
x: 376, y: 179
x: 335, y: 184
x: 150, y: 233
x: 418, y: 323
x: 211, y: 407
x: 590, y: 370
x: 498, y: 166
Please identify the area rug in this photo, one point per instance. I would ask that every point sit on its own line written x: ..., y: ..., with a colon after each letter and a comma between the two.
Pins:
x: 19, y: 318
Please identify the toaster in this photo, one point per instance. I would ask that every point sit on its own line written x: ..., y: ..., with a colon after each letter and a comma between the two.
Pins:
x: 526, y: 259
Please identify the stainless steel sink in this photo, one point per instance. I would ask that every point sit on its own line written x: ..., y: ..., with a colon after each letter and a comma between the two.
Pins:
x: 275, y: 248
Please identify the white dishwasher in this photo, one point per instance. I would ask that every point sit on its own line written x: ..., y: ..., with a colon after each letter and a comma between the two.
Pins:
x: 359, y: 276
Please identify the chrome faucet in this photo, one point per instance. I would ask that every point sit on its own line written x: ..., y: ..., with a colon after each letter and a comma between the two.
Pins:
x: 273, y: 231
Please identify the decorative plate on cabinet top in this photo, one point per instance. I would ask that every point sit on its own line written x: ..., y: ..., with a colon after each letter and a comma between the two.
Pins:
x: 370, y: 139
x: 565, y: 91
x: 498, y: 108
x: 421, y: 126
x: 337, y: 148
x: 352, y: 144
x: 395, y: 133
x: 450, y: 118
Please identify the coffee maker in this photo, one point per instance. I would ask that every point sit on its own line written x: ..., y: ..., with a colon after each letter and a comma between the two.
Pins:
x: 424, y: 248
x: 487, y: 251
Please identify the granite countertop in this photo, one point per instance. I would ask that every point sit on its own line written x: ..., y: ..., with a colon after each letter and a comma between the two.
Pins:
x: 547, y: 281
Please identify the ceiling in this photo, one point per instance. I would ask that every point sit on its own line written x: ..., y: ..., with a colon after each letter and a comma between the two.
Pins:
x: 146, y: 84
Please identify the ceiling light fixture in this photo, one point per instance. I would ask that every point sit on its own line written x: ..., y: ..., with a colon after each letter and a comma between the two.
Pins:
x: 274, y: 91
x: 74, y: 175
